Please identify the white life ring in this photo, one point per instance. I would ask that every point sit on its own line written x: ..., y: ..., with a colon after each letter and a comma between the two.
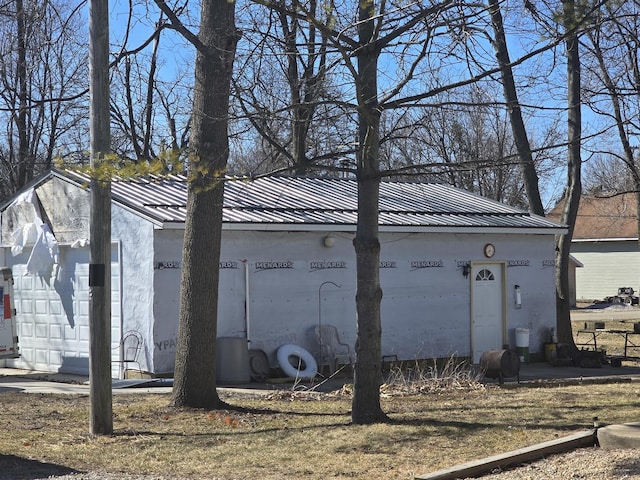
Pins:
x: 302, y: 358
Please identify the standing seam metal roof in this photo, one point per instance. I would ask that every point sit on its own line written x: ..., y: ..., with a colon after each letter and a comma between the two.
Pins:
x: 320, y: 201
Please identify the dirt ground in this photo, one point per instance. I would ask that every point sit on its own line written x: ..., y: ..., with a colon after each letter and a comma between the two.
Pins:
x: 585, y: 463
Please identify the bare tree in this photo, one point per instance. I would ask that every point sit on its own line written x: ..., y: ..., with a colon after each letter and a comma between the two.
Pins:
x: 464, y: 140
x: 412, y: 39
x: 573, y: 189
x: 614, y: 46
x: 607, y: 174
x: 43, y: 77
x: 289, y: 101
x: 376, y: 30
x: 529, y: 174
x: 150, y: 96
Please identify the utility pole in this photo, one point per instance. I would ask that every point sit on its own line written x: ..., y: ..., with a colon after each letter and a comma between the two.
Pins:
x: 101, y: 421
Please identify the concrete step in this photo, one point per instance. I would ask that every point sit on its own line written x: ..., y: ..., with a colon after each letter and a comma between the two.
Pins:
x: 626, y: 435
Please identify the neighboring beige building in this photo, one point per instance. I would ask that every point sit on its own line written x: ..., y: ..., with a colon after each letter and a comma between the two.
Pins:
x: 605, y: 242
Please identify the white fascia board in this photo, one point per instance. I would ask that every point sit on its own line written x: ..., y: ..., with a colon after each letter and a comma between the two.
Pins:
x: 597, y: 240
x: 300, y: 227
x: 575, y: 261
x: 168, y: 225
x: 476, y: 230
x: 288, y: 227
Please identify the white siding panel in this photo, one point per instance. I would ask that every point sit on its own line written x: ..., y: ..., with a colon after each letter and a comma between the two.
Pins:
x: 41, y: 305
x: 41, y: 330
x: 69, y: 333
x: 605, y: 271
x: 41, y: 355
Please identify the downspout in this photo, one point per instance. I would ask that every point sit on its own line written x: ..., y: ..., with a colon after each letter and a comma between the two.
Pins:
x: 121, y: 311
x: 247, y: 302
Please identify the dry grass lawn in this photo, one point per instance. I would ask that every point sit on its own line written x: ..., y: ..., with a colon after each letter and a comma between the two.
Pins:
x: 298, y: 435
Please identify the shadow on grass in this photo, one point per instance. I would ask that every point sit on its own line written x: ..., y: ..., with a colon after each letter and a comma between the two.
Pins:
x: 18, y: 468
x: 225, y: 407
x: 49, y: 377
x: 11, y: 389
x: 471, y: 426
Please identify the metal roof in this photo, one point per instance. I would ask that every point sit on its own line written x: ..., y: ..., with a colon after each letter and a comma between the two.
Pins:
x: 323, y: 202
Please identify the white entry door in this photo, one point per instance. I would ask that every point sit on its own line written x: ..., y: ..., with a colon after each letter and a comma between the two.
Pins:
x: 487, y: 311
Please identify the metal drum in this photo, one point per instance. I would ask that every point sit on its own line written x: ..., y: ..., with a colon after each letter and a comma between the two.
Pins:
x: 500, y: 364
x: 232, y: 360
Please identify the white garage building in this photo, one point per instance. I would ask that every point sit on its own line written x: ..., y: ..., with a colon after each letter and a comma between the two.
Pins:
x: 459, y: 272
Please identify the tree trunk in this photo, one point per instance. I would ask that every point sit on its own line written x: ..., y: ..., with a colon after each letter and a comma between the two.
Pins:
x: 573, y: 190
x: 529, y: 174
x: 195, y: 367
x: 25, y: 164
x: 368, y: 369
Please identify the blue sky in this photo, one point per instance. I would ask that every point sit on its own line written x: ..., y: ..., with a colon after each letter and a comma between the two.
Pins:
x: 550, y: 71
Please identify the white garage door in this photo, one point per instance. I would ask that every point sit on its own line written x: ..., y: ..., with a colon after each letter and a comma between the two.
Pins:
x: 53, y: 313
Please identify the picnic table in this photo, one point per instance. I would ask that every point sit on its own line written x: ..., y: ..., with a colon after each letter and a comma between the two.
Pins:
x: 631, y: 343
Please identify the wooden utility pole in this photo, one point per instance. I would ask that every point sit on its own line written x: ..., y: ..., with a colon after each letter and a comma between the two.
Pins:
x: 101, y: 421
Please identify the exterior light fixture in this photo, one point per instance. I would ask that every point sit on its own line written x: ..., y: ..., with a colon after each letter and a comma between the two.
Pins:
x: 466, y: 270
x: 328, y: 241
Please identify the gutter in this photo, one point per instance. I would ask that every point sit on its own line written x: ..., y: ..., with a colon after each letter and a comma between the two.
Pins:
x: 335, y: 227
x: 598, y: 240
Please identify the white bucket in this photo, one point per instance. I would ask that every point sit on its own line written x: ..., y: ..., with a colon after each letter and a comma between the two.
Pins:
x: 522, y: 337
x: 522, y: 344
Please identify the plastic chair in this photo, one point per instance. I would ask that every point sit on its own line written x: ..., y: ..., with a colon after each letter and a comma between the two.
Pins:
x: 130, y: 347
x: 333, y: 352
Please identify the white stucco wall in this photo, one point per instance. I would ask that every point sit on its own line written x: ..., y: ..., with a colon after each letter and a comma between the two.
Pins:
x: 135, y: 236
x: 426, y: 311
